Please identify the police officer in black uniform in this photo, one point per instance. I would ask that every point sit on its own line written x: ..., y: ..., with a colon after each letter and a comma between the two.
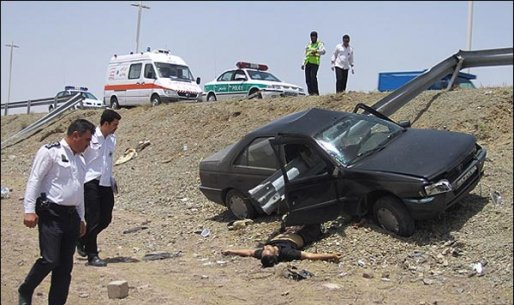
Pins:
x: 54, y: 201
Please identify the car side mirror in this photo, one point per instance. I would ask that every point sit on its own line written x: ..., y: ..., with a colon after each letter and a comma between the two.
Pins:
x: 198, y: 80
x: 404, y: 123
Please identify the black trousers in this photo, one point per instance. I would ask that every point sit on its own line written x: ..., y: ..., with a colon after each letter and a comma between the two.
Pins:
x: 311, y: 78
x: 341, y: 79
x: 99, y: 202
x: 59, y: 229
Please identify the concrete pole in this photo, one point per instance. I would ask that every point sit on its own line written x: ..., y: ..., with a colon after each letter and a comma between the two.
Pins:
x: 470, y: 25
x: 12, y: 46
x: 140, y: 7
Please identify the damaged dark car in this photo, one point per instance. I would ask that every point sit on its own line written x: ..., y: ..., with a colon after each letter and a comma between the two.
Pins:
x: 315, y: 164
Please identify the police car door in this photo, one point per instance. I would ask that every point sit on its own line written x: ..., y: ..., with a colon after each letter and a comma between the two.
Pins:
x: 220, y: 88
x: 237, y: 85
x: 310, y: 182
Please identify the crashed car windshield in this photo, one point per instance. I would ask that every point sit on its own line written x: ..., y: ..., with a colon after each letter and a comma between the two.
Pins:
x: 356, y: 136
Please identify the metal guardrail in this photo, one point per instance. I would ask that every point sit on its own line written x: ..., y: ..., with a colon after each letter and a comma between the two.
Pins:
x: 32, y: 103
x: 37, y: 125
x: 453, y: 64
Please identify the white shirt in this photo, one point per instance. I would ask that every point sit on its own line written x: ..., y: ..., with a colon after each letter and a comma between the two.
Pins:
x: 98, y: 158
x: 59, y: 173
x: 343, y: 57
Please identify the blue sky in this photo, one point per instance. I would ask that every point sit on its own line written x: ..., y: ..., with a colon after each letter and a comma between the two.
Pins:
x: 70, y: 43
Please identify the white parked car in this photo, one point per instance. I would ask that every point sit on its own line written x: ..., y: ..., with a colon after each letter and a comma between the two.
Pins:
x: 249, y: 81
x: 89, y: 101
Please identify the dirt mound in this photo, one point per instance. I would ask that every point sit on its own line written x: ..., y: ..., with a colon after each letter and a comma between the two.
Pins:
x: 159, y: 190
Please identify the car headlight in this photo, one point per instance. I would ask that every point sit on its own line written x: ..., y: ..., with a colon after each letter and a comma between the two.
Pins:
x: 170, y: 92
x: 442, y: 186
x: 300, y: 89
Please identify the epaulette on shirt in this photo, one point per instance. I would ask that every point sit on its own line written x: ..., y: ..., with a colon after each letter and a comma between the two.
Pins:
x: 52, y: 145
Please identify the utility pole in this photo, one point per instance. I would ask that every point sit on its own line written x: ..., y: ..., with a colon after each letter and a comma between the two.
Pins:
x: 12, y: 46
x: 140, y: 7
x: 470, y: 25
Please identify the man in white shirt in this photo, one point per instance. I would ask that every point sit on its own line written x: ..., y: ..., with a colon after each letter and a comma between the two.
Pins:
x: 54, y: 201
x: 342, y: 61
x: 98, y: 187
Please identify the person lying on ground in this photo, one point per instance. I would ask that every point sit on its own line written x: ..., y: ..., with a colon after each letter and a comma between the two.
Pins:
x: 287, y: 247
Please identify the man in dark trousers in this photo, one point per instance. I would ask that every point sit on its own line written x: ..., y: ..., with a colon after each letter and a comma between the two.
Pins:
x: 286, y: 247
x: 54, y: 201
x: 99, y: 185
x: 342, y: 61
x: 313, y: 51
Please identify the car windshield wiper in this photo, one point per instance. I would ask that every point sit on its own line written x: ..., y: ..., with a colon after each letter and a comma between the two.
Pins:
x: 368, y: 152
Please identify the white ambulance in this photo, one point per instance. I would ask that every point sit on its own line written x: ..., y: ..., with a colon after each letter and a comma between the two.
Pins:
x: 150, y: 77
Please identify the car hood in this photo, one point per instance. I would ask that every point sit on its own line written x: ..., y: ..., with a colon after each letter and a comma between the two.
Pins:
x: 420, y: 152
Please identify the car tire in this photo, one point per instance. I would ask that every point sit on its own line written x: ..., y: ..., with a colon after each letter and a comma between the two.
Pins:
x: 239, y: 205
x: 114, y: 103
x: 255, y: 94
x: 211, y: 97
x: 155, y: 100
x: 393, y: 216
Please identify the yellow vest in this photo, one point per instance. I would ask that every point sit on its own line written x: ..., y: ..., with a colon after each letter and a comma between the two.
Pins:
x: 311, y: 58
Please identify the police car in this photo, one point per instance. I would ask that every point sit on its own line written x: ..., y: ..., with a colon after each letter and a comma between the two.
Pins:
x: 89, y: 100
x: 248, y: 81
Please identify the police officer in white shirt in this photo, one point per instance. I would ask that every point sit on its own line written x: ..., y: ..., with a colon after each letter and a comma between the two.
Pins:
x: 98, y: 187
x: 54, y: 201
x: 342, y: 61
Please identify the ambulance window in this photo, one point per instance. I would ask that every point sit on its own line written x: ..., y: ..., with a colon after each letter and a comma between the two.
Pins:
x: 149, y: 71
x: 135, y: 71
x: 227, y: 76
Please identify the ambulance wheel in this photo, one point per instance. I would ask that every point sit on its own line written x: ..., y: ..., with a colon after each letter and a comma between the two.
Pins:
x: 114, y: 103
x: 156, y: 100
x: 211, y: 97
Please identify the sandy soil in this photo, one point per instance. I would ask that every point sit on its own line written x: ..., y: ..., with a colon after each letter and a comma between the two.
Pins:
x: 159, y: 202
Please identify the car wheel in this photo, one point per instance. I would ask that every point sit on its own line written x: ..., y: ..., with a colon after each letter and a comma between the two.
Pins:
x: 211, y: 97
x: 156, y: 100
x: 114, y: 103
x: 240, y: 206
x: 255, y: 94
x: 392, y: 215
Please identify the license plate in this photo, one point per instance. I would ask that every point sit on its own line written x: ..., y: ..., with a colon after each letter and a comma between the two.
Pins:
x: 459, y: 182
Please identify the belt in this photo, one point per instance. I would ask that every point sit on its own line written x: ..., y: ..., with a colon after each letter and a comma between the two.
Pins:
x: 63, y: 208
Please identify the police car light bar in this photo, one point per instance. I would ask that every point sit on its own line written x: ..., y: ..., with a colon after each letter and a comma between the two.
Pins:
x: 242, y: 65
x: 75, y: 88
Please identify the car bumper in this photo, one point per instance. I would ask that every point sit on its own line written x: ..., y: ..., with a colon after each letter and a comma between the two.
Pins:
x: 179, y: 96
x: 215, y: 195
x: 428, y: 207
x: 269, y: 93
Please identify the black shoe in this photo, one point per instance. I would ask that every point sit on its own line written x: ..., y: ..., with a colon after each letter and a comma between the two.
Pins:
x: 96, y: 261
x: 24, y: 298
x: 81, y: 249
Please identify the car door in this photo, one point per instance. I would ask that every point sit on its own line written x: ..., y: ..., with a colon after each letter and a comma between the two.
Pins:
x: 313, y: 192
x: 237, y: 85
x: 221, y: 87
x: 147, y: 82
